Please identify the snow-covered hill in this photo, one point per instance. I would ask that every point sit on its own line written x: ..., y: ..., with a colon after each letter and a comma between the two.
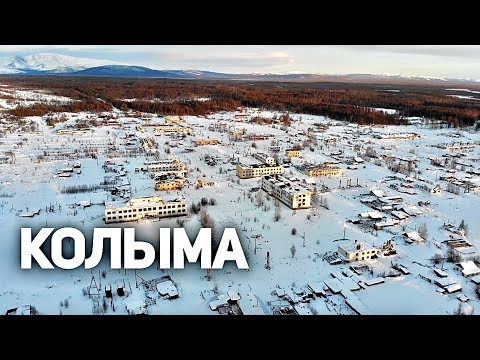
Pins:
x: 48, y: 63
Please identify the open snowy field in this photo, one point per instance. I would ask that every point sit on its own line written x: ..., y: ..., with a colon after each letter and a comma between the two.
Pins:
x: 11, y: 98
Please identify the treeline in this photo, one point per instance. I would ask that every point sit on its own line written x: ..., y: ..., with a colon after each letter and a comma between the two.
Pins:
x: 178, y: 97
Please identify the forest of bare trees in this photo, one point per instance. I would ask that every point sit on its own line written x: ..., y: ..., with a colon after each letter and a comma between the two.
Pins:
x: 345, y: 102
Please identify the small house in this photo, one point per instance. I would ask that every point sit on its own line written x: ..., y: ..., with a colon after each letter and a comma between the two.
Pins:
x: 469, y: 268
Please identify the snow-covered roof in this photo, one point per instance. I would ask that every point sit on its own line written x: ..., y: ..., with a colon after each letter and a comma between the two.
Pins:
x: 476, y: 279
x: 334, y: 285
x: 167, y: 288
x: 440, y: 272
x: 251, y: 305
x: 136, y: 307
x: 310, y: 181
x: 372, y: 215
x: 414, y: 236
x: 234, y: 295
x: 316, y: 287
x: 221, y: 300
x: 453, y: 288
x: 411, y: 210
x: 375, y: 281
x: 378, y: 192
x: 469, y: 268
x: 399, y: 215
x: 357, y: 306
x: 444, y: 282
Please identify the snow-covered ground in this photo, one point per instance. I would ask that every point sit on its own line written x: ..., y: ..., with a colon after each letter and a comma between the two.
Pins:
x: 15, y: 97
x: 29, y: 181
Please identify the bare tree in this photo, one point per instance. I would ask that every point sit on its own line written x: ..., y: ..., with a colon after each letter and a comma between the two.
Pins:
x: 293, y: 250
x: 259, y: 198
x: 464, y: 227
x: 423, y: 231
x: 453, y: 256
x: 437, y: 259
x: 278, y: 212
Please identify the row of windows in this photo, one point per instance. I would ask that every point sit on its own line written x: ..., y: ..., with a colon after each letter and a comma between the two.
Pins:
x: 365, y: 254
x: 134, y: 216
x: 155, y: 208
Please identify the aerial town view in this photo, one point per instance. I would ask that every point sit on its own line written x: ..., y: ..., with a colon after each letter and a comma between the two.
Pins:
x: 352, y: 191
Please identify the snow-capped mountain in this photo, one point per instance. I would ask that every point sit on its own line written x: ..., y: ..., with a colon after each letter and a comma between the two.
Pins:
x: 56, y: 64
x: 48, y: 63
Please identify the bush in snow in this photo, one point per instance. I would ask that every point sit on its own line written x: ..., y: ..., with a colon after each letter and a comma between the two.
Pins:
x: 453, y: 256
x: 437, y: 259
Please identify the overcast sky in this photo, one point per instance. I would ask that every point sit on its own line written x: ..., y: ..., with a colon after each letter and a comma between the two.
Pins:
x: 451, y: 61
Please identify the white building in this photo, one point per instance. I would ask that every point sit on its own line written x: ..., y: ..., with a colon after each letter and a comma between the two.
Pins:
x: 167, y: 165
x: 258, y: 170
x: 144, y: 207
x: 469, y: 268
x: 265, y: 158
x: 358, y: 251
x: 291, y: 193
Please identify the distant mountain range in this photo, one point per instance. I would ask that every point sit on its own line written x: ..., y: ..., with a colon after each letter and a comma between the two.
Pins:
x: 55, y: 64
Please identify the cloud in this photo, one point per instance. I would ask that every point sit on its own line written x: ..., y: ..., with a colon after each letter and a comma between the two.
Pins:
x: 429, y: 60
x: 452, y: 51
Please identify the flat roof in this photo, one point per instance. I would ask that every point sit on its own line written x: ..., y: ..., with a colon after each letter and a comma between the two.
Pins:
x: 352, y: 247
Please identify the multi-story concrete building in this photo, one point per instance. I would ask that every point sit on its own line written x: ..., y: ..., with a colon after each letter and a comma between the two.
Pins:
x: 323, y: 170
x: 167, y: 165
x: 171, y: 129
x: 409, y: 136
x: 202, y: 142
x: 144, y: 207
x: 174, y: 119
x: 160, y: 175
x: 357, y: 251
x: 293, y: 153
x: 265, y: 158
x: 172, y: 184
x: 291, y: 193
x: 257, y: 170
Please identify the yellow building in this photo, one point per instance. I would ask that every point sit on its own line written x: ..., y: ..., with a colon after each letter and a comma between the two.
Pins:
x: 236, y: 132
x: 144, y: 207
x: 323, y: 170
x: 173, y: 120
x: 203, y: 142
x: 293, y: 153
x: 257, y: 170
x: 166, y: 165
x: 171, y: 129
x: 169, y: 185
